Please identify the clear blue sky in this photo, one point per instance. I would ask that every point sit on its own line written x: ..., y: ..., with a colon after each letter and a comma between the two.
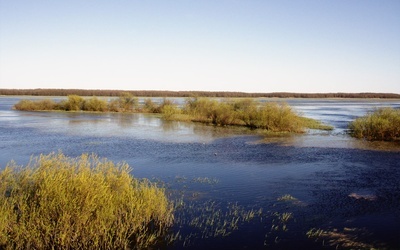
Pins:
x: 213, y: 45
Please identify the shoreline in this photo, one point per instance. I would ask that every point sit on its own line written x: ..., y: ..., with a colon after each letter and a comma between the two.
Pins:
x: 217, y: 94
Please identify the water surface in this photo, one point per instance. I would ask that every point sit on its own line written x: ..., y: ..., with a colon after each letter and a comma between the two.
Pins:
x: 338, y: 182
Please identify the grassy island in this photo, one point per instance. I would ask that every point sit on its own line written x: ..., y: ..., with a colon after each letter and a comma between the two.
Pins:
x: 58, y: 202
x: 383, y: 124
x: 273, y: 117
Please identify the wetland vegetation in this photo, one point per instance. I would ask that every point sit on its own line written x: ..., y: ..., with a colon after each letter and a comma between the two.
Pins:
x: 58, y: 202
x: 272, y: 117
x: 382, y: 124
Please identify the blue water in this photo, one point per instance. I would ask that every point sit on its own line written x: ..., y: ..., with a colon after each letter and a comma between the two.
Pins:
x: 321, y: 168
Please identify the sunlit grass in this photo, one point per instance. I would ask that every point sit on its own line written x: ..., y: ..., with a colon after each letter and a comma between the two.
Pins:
x: 348, y: 238
x: 383, y: 124
x: 56, y: 202
x: 314, y: 124
x: 287, y: 197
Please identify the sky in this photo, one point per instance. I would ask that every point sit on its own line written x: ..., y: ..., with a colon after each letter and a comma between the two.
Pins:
x: 307, y: 46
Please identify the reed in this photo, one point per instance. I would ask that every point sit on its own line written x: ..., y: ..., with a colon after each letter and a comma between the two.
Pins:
x: 56, y: 202
x: 382, y: 124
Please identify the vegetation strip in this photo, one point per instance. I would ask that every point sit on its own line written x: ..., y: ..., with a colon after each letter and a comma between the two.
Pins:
x: 274, y: 117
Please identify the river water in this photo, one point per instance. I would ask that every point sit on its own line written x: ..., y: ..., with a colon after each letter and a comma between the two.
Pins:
x: 347, y: 187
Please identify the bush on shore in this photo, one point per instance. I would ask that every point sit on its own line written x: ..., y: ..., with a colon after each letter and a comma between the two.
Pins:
x: 58, y: 202
x: 383, y: 124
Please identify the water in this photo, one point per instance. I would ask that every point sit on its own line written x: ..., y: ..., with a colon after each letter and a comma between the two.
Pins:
x: 338, y: 182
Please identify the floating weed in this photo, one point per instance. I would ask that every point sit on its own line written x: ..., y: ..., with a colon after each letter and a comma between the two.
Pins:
x: 210, y: 219
x: 205, y: 180
x: 346, y: 238
x: 287, y: 197
x: 281, y: 220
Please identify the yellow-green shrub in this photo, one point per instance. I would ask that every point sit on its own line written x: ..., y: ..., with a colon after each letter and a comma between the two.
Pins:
x: 29, y: 105
x: 382, y: 124
x: 58, y: 202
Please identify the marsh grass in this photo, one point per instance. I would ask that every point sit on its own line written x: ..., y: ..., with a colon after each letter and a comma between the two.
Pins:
x: 382, y: 124
x: 347, y: 238
x: 56, y: 202
x: 210, y: 219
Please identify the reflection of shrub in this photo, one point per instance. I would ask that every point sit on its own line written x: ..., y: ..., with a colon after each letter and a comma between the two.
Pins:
x: 382, y: 124
x: 85, y: 203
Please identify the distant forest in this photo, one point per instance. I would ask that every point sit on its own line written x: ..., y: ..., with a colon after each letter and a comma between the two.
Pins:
x: 158, y: 93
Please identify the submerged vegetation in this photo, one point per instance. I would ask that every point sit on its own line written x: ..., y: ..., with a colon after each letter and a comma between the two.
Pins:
x: 382, y: 124
x: 274, y: 117
x: 58, y: 202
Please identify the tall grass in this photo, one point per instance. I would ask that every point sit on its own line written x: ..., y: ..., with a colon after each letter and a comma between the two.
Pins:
x: 382, y: 124
x: 56, y: 202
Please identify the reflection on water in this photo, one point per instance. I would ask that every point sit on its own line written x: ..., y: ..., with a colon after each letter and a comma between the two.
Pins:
x: 331, y: 175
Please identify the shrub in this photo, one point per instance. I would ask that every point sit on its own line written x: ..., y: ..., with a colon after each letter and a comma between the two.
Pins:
x: 95, y: 104
x: 58, y: 202
x: 29, y: 105
x: 74, y: 103
x: 168, y: 111
x: 150, y: 106
x: 382, y: 124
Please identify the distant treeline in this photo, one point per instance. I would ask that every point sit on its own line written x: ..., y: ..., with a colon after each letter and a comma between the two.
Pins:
x: 158, y: 93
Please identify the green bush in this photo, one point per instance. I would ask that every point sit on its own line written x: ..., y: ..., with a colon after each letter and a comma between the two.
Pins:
x: 40, y: 105
x: 382, y: 124
x: 58, y: 202
x: 74, y: 103
x: 95, y: 104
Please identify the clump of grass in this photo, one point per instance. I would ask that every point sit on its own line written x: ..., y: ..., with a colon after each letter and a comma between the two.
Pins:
x: 347, y: 238
x: 287, y: 197
x: 314, y: 124
x: 198, y: 221
x: 56, y: 202
x: 383, y: 124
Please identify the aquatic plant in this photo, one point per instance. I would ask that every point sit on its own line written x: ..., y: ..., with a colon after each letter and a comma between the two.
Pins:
x: 56, y: 202
x: 348, y: 238
x: 383, y: 124
x: 287, y: 197
x: 210, y: 220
